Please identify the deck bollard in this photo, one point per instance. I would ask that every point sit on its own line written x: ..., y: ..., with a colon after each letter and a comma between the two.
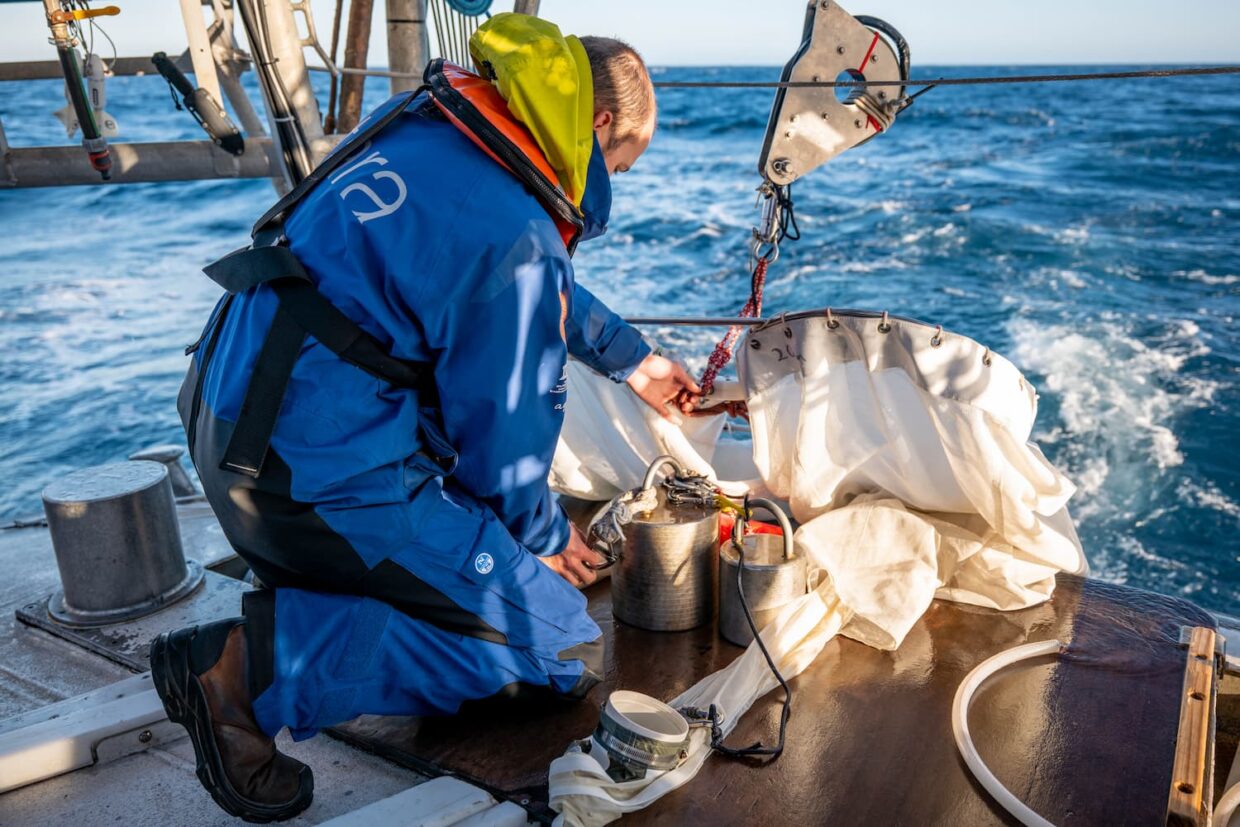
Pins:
x: 117, y: 543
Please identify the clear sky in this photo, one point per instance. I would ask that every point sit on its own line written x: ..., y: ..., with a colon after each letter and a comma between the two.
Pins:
x: 766, y: 32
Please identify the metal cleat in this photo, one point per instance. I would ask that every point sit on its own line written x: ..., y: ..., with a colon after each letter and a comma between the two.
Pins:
x: 170, y: 457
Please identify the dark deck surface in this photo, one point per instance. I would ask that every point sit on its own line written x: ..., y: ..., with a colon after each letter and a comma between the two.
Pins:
x: 1086, y: 739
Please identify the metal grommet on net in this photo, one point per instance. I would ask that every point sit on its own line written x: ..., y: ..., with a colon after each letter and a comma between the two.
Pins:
x: 832, y: 322
x: 883, y: 325
x: 986, y: 358
x: 783, y: 321
x: 937, y: 338
x: 754, y: 344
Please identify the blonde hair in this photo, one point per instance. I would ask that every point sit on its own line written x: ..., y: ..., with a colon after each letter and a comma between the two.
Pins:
x: 621, y: 86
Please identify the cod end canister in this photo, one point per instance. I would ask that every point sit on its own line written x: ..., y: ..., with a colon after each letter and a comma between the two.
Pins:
x: 637, y: 734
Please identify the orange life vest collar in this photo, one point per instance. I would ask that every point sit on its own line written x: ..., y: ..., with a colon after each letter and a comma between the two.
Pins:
x: 475, y: 107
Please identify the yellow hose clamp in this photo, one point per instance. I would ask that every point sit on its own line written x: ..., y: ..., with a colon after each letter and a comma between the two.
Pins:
x: 69, y: 15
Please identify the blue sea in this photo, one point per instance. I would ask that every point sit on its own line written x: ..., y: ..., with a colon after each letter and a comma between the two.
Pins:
x: 1089, y: 232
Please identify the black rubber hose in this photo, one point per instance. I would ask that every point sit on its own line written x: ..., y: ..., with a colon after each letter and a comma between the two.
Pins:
x: 77, y: 95
x: 293, y: 144
x: 757, y: 750
x: 897, y: 38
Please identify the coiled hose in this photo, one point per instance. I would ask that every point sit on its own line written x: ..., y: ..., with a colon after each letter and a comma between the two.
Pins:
x: 960, y: 725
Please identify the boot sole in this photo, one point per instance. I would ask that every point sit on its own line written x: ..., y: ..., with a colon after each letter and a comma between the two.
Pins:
x: 186, y: 705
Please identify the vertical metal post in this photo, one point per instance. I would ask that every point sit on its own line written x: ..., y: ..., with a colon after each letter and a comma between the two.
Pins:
x: 408, y: 43
x: 251, y: 122
x: 200, y: 48
x: 285, y: 76
x: 525, y: 7
x: 230, y: 64
x: 357, y: 41
x: 7, y: 178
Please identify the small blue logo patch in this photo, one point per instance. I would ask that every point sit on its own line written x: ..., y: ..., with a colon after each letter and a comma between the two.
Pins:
x: 484, y: 563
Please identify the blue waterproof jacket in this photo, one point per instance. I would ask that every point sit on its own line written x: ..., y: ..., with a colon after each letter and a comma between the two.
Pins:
x: 445, y: 257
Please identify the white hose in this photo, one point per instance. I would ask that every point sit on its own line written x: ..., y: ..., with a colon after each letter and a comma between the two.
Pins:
x: 960, y: 725
x: 1225, y: 807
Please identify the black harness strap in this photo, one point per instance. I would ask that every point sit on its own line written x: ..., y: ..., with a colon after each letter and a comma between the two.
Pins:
x: 247, y: 449
x: 302, y: 311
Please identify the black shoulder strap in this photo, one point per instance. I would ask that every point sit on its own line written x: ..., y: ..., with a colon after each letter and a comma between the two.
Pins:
x: 264, y: 396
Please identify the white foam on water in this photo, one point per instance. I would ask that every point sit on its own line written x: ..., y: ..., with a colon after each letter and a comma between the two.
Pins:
x: 1135, y: 549
x: 705, y: 231
x: 874, y: 265
x: 1207, y: 278
x: 1073, y: 279
x: 1205, y: 494
x: 1118, y: 401
x: 1073, y: 235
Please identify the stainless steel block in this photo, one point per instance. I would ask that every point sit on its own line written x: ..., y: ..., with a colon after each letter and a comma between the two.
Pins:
x: 170, y: 457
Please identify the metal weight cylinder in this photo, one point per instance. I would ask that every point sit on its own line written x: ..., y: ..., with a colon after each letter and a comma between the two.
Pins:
x: 665, y: 578
x: 117, y: 543
x: 773, y: 576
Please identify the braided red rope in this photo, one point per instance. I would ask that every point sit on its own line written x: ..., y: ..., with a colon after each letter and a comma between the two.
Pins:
x: 723, y: 351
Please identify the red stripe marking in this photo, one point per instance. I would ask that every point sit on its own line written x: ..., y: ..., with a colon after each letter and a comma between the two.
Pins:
x: 866, y: 59
x: 861, y: 69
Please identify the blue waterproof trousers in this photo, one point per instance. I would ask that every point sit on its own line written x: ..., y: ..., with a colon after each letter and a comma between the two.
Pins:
x: 462, y: 612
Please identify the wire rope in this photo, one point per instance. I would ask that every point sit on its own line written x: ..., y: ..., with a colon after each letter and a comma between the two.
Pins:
x: 1194, y: 71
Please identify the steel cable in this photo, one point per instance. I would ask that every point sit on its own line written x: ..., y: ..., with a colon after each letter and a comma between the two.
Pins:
x: 970, y: 81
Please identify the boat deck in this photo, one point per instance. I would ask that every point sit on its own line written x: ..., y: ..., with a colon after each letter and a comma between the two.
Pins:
x: 156, y: 786
x: 1080, y: 739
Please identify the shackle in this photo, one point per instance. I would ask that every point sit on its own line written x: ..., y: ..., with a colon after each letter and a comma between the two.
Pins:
x: 785, y: 525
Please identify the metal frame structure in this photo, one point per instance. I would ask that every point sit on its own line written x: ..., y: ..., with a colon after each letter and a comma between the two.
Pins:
x: 284, y: 145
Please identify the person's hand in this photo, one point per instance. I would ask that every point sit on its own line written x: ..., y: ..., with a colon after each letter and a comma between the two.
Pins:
x: 659, y: 381
x: 575, y: 561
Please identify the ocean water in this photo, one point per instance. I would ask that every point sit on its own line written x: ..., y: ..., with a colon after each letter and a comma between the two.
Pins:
x: 1089, y: 232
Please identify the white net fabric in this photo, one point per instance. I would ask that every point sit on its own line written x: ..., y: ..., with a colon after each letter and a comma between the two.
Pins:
x: 906, y: 450
x: 903, y: 453
x: 610, y: 437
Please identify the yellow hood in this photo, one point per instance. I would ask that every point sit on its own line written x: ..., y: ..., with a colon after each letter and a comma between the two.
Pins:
x: 545, y: 79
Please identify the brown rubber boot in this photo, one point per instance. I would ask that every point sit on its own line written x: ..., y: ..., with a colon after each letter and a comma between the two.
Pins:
x: 201, y: 675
